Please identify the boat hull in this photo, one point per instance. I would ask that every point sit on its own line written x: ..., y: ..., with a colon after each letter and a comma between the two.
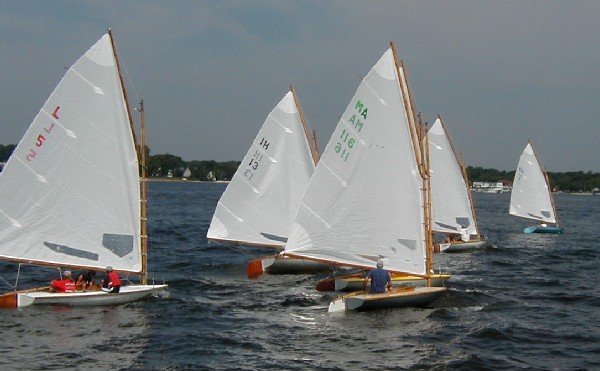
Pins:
x: 397, y: 298
x: 355, y: 282
x: 45, y: 297
x: 279, y: 264
x: 540, y: 229
x: 461, y: 246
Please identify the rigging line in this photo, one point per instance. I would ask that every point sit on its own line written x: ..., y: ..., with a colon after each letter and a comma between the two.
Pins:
x: 18, y: 275
x: 130, y: 81
x: 7, y: 283
x: 16, y: 281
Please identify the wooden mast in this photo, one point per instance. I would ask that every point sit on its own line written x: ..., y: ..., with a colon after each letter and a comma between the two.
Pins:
x: 114, y: 49
x: 141, y: 155
x: 316, y: 144
x: 408, y: 106
x: 427, y: 211
x: 143, y: 197
x: 421, y: 149
x: 311, y: 145
x: 465, y: 176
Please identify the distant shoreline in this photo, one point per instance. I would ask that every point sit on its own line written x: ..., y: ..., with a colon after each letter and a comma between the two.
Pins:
x: 576, y: 193
x: 553, y: 193
x: 180, y: 180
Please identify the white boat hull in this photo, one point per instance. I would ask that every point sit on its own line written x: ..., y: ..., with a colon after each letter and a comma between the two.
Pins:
x: 127, y: 294
x: 279, y: 264
x: 397, y: 298
x: 461, y: 246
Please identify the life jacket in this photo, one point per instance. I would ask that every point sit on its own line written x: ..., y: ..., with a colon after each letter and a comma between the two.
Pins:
x: 113, y: 279
x: 65, y: 285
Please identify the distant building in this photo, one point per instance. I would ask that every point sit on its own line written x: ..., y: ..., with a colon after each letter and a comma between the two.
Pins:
x: 491, y: 187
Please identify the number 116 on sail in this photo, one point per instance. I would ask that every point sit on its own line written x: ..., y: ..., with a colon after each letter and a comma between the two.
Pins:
x: 349, y: 141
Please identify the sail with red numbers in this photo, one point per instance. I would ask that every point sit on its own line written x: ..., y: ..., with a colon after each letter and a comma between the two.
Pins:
x: 73, y: 183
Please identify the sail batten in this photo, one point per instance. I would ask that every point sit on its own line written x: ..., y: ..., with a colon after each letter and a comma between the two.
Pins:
x: 365, y: 200
x: 264, y: 194
x: 530, y: 197
x: 80, y: 148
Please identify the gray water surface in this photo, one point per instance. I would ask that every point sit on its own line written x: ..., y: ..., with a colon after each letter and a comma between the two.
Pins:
x: 525, y: 302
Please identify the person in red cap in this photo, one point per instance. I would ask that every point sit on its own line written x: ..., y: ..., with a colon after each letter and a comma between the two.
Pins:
x: 111, y: 283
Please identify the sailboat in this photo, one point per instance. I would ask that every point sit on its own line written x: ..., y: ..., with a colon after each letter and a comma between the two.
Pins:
x: 77, y: 196
x: 368, y: 198
x: 259, y: 204
x: 452, y: 212
x: 531, y: 197
x: 452, y: 208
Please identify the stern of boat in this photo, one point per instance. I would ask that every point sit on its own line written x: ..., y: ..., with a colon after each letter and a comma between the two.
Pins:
x: 9, y: 300
x: 401, y: 297
x: 337, y: 306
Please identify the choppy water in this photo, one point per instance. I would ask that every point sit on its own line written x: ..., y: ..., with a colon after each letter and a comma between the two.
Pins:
x: 528, y: 302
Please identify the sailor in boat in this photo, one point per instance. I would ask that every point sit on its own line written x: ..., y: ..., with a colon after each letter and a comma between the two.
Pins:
x: 111, y: 283
x: 85, y: 280
x: 66, y: 284
x: 464, y: 235
x: 381, y: 280
x: 452, y: 237
x: 543, y: 225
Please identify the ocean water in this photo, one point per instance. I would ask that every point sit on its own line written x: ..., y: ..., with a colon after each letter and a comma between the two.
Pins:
x: 524, y: 302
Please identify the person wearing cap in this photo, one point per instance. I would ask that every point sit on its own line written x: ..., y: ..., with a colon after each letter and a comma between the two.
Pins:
x: 381, y: 280
x: 85, y: 280
x: 65, y: 284
x: 464, y: 235
x: 111, y: 283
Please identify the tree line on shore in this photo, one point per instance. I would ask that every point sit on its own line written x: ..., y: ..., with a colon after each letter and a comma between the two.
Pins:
x: 163, y: 165
x: 569, y: 181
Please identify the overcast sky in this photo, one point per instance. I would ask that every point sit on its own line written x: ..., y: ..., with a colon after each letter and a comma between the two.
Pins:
x: 499, y: 73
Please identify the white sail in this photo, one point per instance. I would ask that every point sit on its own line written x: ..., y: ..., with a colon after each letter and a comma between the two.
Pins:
x: 71, y: 193
x: 187, y: 172
x: 451, y: 207
x: 530, y: 197
x: 262, y: 199
x: 364, y: 201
